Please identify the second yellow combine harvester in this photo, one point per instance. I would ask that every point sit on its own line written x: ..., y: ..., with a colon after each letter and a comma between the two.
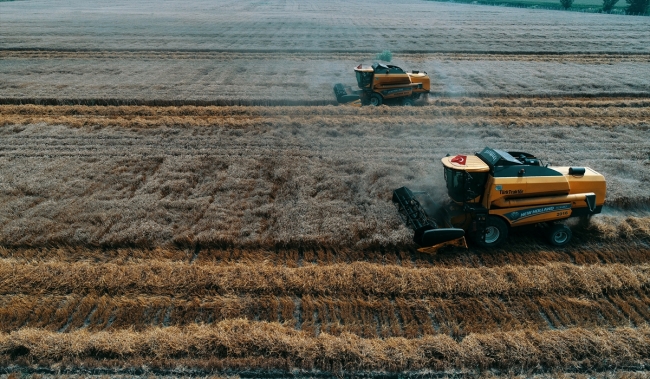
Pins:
x: 493, y: 191
x: 380, y: 83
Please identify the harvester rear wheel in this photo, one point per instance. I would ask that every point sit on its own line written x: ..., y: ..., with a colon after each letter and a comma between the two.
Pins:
x: 496, y: 231
x: 408, y: 102
x: 559, y: 235
x: 376, y: 100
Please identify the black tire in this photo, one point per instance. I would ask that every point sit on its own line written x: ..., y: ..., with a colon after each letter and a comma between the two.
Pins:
x: 376, y: 99
x: 496, y: 231
x: 408, y: 102
x: 559, y: 235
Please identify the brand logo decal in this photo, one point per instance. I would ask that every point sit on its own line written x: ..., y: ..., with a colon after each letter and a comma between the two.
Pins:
x: 393, y: 91
x: 511, y: 192
x: 531, y: 212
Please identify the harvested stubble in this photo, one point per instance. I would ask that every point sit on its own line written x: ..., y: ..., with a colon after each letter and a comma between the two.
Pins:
x: 359, y: 278
x: 256, y: 177
x: 264, y: 345
x: 325, y: 28
x: 298, y: 78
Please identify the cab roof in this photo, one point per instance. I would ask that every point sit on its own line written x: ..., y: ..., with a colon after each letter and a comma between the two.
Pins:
x: 382, y: 68
x: 472, y: 163
x: 362, y: 68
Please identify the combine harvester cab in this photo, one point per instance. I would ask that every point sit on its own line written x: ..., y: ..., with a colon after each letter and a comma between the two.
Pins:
x: 493, y: 191
x: 380, y: 82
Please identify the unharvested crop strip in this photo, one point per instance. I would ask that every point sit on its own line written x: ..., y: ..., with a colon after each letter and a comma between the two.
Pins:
x: 261, y: 341
x: 436, y: 106
x: 468, y: 111
x: 359, y: 278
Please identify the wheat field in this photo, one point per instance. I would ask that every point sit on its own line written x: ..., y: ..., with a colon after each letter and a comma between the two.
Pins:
x: 263, y: 238
x: 294, y: 176
x: 248, y: 53
x: 305, y: 78
x: 180, y: 196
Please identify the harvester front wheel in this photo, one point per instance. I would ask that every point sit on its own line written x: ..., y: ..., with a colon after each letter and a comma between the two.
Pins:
x: 495, y: 232
x: 559, y: 235
x: 376, y: 100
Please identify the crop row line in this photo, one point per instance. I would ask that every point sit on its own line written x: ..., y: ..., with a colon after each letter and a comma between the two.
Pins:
x: 368, y: 317
x: 534, y: 101
x: 636, y: 122
x: 620, y: 251
x: 36, y: 51
x: 265, y: 345
x: 358, y: 278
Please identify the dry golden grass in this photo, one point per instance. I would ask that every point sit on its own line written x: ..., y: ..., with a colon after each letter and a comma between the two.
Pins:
x: 612, y: 227
x: 368, y: 317
x: 261, y: 342
x: 358, y: 278
x: 522, y: 251
x: 463, y: 111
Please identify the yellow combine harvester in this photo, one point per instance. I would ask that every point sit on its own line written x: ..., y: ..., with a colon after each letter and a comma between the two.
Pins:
x: 493, y: 191
x: 380, y: 82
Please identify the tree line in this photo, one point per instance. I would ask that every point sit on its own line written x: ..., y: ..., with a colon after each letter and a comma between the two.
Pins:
x: 635, y: 7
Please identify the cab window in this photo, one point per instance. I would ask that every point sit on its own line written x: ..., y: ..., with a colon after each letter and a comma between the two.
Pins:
x: 364, y: 79
x: 464, y: 186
